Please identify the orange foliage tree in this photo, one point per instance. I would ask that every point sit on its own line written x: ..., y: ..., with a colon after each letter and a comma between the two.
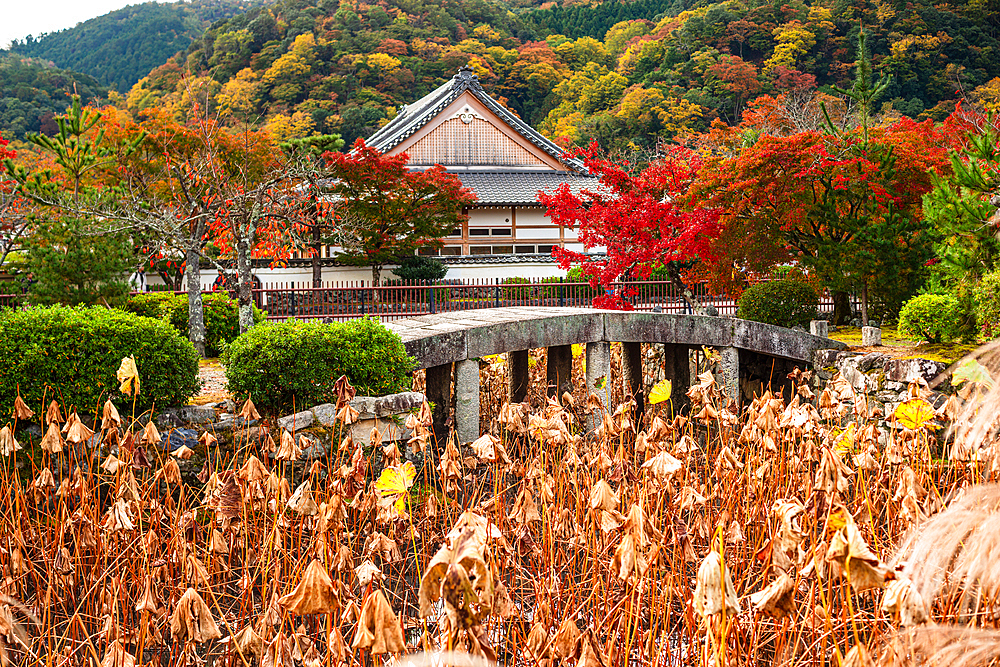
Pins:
x: 844, y: 205
x: 197, y: 182
x: 14, y: 221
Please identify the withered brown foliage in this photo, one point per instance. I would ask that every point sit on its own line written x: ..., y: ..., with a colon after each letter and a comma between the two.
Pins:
x: 808, y: 531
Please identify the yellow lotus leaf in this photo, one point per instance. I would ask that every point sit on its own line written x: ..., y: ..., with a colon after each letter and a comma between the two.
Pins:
x: 846, y: 442
x: 915, y: 413
x: 660, y: 392
x: 396, y: 481
x: 128, y: 375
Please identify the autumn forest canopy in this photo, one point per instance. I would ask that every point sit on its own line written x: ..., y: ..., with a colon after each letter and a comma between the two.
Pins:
x: 577, y: 73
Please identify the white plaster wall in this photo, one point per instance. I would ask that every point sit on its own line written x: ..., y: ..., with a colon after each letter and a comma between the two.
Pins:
x: 302, y: 277
x: 489, y: 217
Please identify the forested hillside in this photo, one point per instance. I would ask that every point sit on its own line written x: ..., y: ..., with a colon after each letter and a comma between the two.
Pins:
x: 306, y: 66
x: 32, y: 92
x: 122, y: 46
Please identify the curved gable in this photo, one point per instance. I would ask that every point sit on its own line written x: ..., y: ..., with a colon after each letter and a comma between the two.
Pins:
x: 468, y: 134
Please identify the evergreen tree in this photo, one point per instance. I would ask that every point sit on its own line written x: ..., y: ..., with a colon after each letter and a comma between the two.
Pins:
x: 71, y: 262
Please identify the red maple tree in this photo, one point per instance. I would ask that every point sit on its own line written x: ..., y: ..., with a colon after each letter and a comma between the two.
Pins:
x: 638, y: 220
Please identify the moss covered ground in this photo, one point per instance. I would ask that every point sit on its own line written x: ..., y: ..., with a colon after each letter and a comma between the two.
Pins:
x: 903, y: 347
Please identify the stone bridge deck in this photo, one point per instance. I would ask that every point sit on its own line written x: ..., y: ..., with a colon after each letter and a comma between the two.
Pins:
x: 472, y: 334
x: 463, y: 337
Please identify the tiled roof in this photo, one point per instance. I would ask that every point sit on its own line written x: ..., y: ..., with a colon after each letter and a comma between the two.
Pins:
x: 519, y: 188
x: 414, y: 116
x: 533, y: 258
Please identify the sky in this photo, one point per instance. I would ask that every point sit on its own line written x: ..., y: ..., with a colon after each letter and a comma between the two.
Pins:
x: 33, y: 17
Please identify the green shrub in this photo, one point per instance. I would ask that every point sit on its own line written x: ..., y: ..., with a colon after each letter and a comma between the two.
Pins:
x: 933, y: 317
x: 515, y: 289
x: 786, y: 303
x: 152, y: 304
x: 75, y: 352
x: 222, y: 315
x: 298, y: 362
x: 421, y: 267
x: 986, y: 297
x: 552, y: 291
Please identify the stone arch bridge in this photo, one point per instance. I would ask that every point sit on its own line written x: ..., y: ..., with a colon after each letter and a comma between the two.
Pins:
x: 748, y: 350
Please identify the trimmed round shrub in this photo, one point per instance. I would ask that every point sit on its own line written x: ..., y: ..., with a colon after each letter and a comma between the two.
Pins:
x: 282, y: 364
x: 785, y: 303
x: 987, y: 303
x: 421, y: 267
x: 72, y: 355
x: 222, y: 315
x: 932, y: 317
x: 152, y: 304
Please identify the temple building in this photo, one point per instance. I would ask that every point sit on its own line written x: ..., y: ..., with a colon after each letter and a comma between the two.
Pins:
x: 499, y: 157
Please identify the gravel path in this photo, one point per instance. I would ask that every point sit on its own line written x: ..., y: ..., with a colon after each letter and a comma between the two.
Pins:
x: 213, y: 383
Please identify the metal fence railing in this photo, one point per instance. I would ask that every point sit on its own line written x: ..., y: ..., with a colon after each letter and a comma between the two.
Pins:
x: 399, y: 299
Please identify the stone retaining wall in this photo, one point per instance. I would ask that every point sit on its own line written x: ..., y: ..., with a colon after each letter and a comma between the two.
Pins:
x: 883, y: 379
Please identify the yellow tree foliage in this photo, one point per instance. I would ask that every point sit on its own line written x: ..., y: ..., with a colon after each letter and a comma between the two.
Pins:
x: 283, y: 127
x: 794, y: 40
x: 644, y: 56
x: 239, y: 93
x: 621, y: 33
x: 383, y: 63
x: 988, y: 95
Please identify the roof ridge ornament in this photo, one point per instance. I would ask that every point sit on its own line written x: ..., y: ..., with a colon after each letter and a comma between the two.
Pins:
x: 466, y: 78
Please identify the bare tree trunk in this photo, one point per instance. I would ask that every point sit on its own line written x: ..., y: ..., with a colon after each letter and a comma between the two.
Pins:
x: 376, y: 281
x: 245, y: 274
x: 317, y: 268
x: 686, y: 293
x: 864, y: 303
x: 196, y: 313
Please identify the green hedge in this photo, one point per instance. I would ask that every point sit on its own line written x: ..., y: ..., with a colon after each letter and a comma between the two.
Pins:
x: 785, y: 303
x: 934, y: 317
x: 297, y: 361
x: 75, y: 352
x: 222, y: 315
x: 421, y: 267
